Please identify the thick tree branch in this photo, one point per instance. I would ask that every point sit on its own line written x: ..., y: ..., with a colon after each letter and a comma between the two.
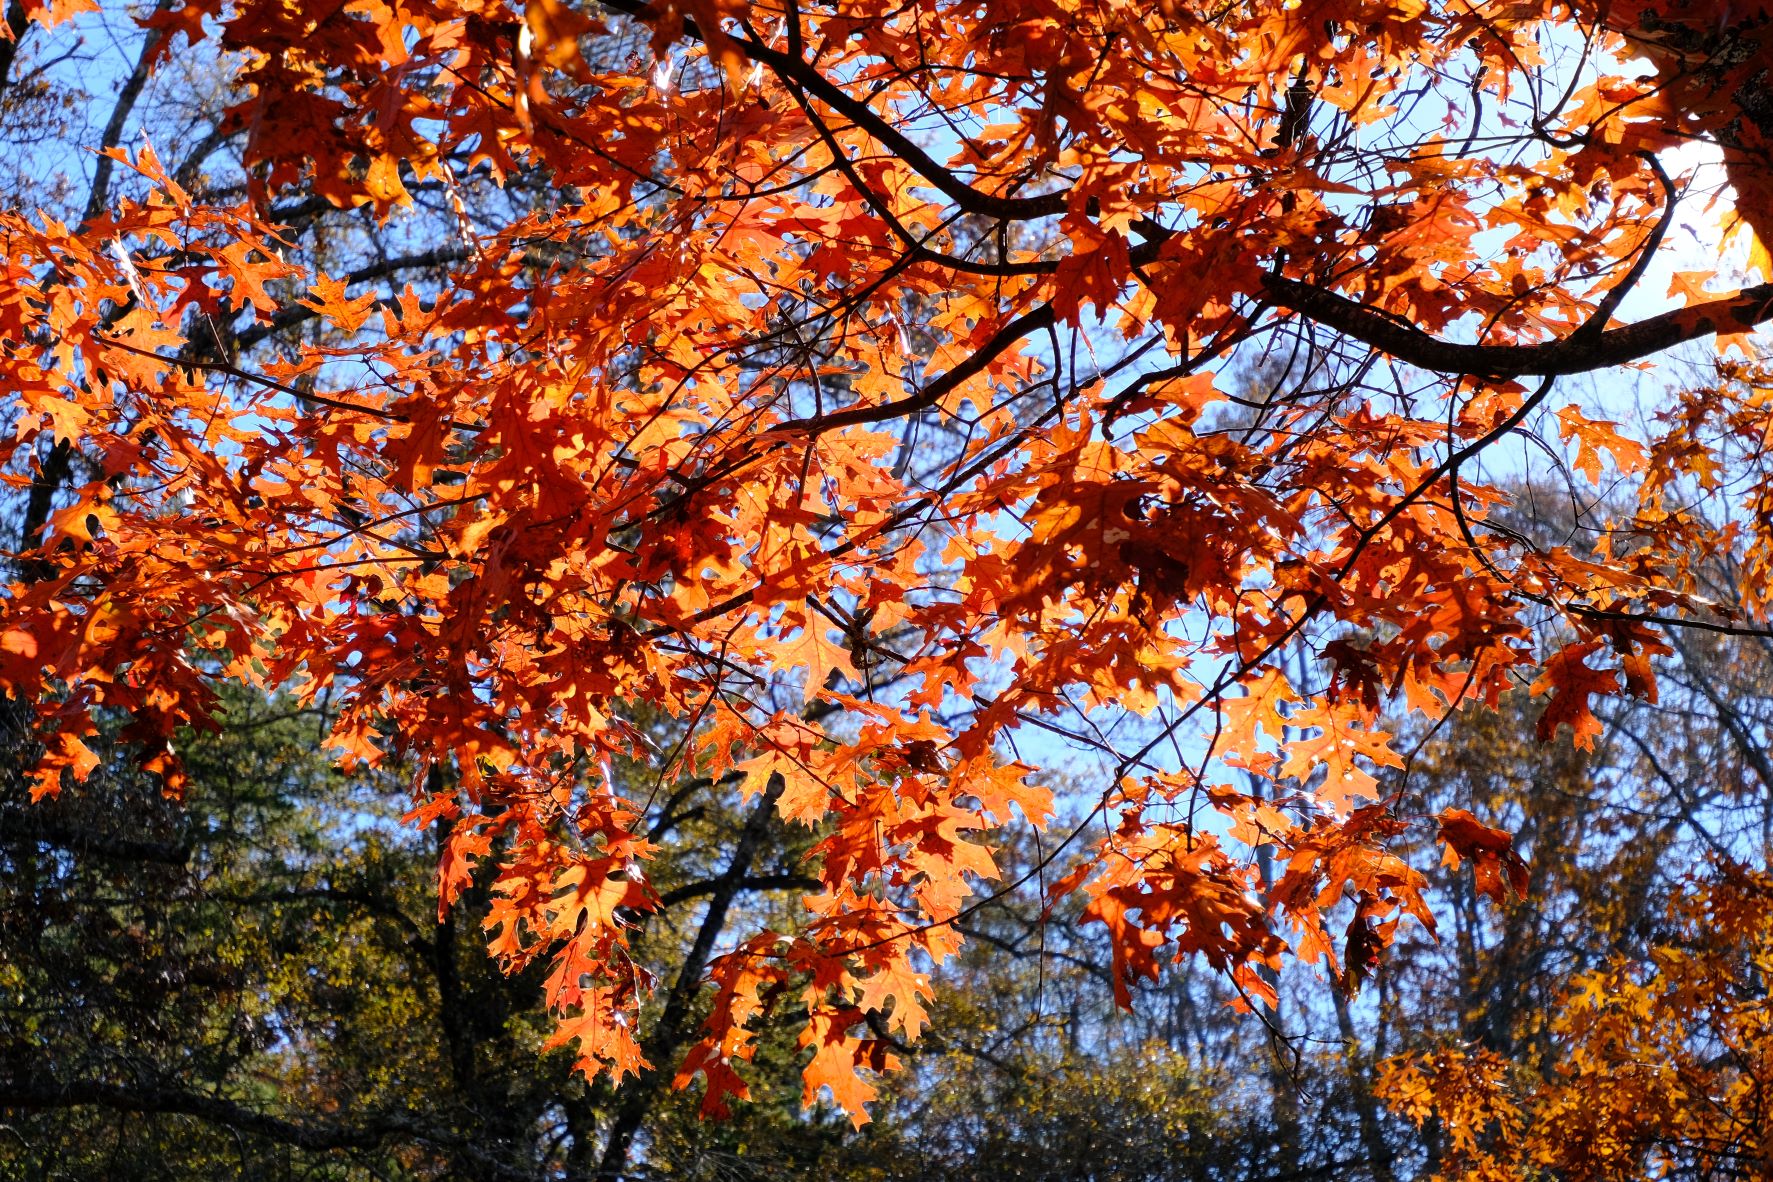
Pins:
x: 1580, y: 352
x: 17, y: 23
x: 28, y: 825
x: 120, y: 112
x: 1603, y: 313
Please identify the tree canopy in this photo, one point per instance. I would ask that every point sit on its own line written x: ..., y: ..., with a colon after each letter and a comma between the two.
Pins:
x: 940, y: 427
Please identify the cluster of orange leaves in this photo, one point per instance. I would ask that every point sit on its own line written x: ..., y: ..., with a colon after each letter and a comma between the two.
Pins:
x: 485, y: 519
x: 1666, y: 1060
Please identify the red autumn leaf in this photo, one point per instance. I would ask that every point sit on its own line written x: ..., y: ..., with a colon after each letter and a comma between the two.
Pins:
x: 1490, y: 851
x: 1572, y: 684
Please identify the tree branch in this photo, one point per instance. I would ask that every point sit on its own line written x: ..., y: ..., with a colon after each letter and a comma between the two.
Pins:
x: 18, y: 22
x: 39, y: 1092
x: 930, y: 395
x: 296, y: 314
x: 120, y: 111
x: 673, y: 1026
x: 1580, y: 352
x: 808, y: 77
x: 29, y: 825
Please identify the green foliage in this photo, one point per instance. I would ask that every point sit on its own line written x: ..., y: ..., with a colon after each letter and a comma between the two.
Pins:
x: 250, y: 982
